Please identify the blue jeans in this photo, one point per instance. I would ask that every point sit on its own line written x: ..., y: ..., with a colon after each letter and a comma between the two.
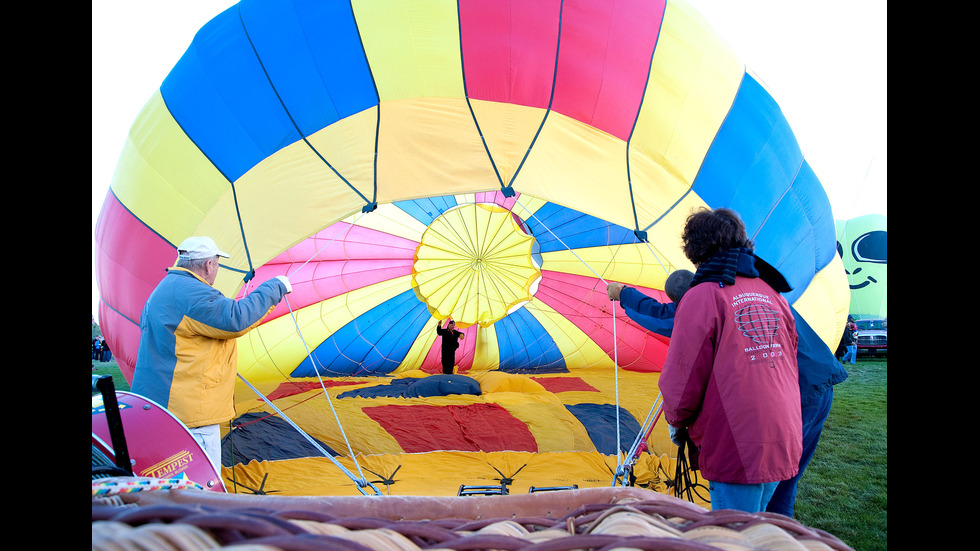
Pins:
x: 852, y: 353
x: 751, y: 498
x: 814, y: 416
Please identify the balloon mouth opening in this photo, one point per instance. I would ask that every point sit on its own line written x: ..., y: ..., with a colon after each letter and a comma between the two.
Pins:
x: 476, y: 263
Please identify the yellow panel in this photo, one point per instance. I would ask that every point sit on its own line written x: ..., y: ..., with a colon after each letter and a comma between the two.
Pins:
x: 487, y: 353
x: 824, y: 303
x: 693, y: 81
x: 293, y: 194
x: 527, y: 205
x: 390, y: 219
x: 575, y: 165
x: 554, y: 428
x: 509, y: 130
x: 430, y: 147
x: 442, y: 473
x: 160, y: 171
x: 412, y: 47
x: 639, y: 264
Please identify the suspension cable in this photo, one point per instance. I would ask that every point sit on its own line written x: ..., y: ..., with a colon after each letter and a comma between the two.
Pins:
x: 361, y: 482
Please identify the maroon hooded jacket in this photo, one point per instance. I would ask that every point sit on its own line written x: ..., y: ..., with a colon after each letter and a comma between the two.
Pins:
x: 731, y: 377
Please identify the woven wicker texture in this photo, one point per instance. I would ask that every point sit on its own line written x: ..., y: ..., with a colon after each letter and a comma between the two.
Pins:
x: 624, y: 524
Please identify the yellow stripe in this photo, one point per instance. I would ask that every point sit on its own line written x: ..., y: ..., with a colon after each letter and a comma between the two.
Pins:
x: 693, y: 81
x: 824, y: 303
x: 430, y: 147
x: 412, y: 48
x: 487, y: 354
x: 160, y: 172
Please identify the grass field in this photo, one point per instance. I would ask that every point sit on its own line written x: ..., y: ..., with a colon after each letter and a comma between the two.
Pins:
x: 844, y: 491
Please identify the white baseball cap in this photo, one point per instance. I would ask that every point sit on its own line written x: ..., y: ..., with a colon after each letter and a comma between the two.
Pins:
x: 195, y: 248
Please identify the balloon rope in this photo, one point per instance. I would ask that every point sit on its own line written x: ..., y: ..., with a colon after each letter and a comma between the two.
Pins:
x: 620, y: 465
x: 641, y: 436
x: 314, y: 363
x: 361, y: 483
x: 615, y: 340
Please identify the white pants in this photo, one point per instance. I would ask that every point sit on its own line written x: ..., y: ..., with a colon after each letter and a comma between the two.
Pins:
x: 209, y: 437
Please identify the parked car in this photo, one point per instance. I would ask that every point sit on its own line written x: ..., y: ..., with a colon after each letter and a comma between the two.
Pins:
x: 872, y: 336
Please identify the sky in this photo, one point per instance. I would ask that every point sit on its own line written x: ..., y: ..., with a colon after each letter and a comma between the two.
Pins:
x: 825, y: 63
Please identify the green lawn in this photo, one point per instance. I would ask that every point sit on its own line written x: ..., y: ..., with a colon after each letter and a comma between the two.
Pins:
x: 110, y: 368
x: 844, y: 490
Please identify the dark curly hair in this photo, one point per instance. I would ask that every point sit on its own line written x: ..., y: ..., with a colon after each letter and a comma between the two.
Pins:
x: 707, y: 232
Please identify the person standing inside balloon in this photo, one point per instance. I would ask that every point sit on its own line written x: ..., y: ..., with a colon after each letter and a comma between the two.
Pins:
x: 188, y: 356
x: 731, y: 375
x: 450, y: 342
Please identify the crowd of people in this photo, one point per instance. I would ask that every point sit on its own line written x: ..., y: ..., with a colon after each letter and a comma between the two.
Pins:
x: 100, y: 350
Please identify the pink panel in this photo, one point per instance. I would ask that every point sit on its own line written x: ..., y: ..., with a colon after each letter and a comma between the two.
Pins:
x: 123, y: 336
x: 335, y: 261
x: 606, y: 48
x: 130, y: 260
x: 510, y: 47
x: 583, y: 302
x: 509, y: 50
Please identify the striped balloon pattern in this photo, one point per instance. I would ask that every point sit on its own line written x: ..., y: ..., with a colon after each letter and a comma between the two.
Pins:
x: 491, y: 161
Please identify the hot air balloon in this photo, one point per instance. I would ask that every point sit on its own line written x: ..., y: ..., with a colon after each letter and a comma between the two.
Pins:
x: 493, y: 162
x: 862, y: 243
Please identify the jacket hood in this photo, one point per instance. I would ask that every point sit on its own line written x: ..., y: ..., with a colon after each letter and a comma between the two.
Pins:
x: 727, y: 263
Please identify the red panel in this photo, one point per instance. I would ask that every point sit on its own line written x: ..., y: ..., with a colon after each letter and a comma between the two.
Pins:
x: 299, y: 387
x: 509, y: 50
x: 584, y: 302
x: 474, y: 427
x: 564, y: 384
x: 123, y: 336
x: 606, y: 48
x: 510, y: 53
x: 130, y: 260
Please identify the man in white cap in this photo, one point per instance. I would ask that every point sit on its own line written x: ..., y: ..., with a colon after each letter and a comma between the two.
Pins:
x: 188, y: 355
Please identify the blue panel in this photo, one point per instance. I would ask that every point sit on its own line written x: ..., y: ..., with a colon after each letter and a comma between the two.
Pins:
x: 755, y: 167
x: 221, y: 98
x: 600, y: 422
x: 799, y: 233
x: 525, y: 347
x: 556, y: 228
x: 221, y: 95
x: 427, y: 209
x: 373, y: 344
x: 313, y: 56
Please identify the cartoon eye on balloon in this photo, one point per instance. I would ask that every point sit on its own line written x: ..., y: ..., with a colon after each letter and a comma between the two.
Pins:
x: 493, y: 161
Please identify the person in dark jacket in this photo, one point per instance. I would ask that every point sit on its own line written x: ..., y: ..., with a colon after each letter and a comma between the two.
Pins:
x: 819, y: 370
x: 450, y: 342
x: 731, y: 375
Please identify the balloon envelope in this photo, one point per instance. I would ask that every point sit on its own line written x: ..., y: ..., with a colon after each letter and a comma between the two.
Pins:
x: 494, y: 162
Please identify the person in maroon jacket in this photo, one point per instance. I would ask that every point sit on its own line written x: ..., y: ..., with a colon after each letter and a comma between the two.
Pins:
x: 731, y: 376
